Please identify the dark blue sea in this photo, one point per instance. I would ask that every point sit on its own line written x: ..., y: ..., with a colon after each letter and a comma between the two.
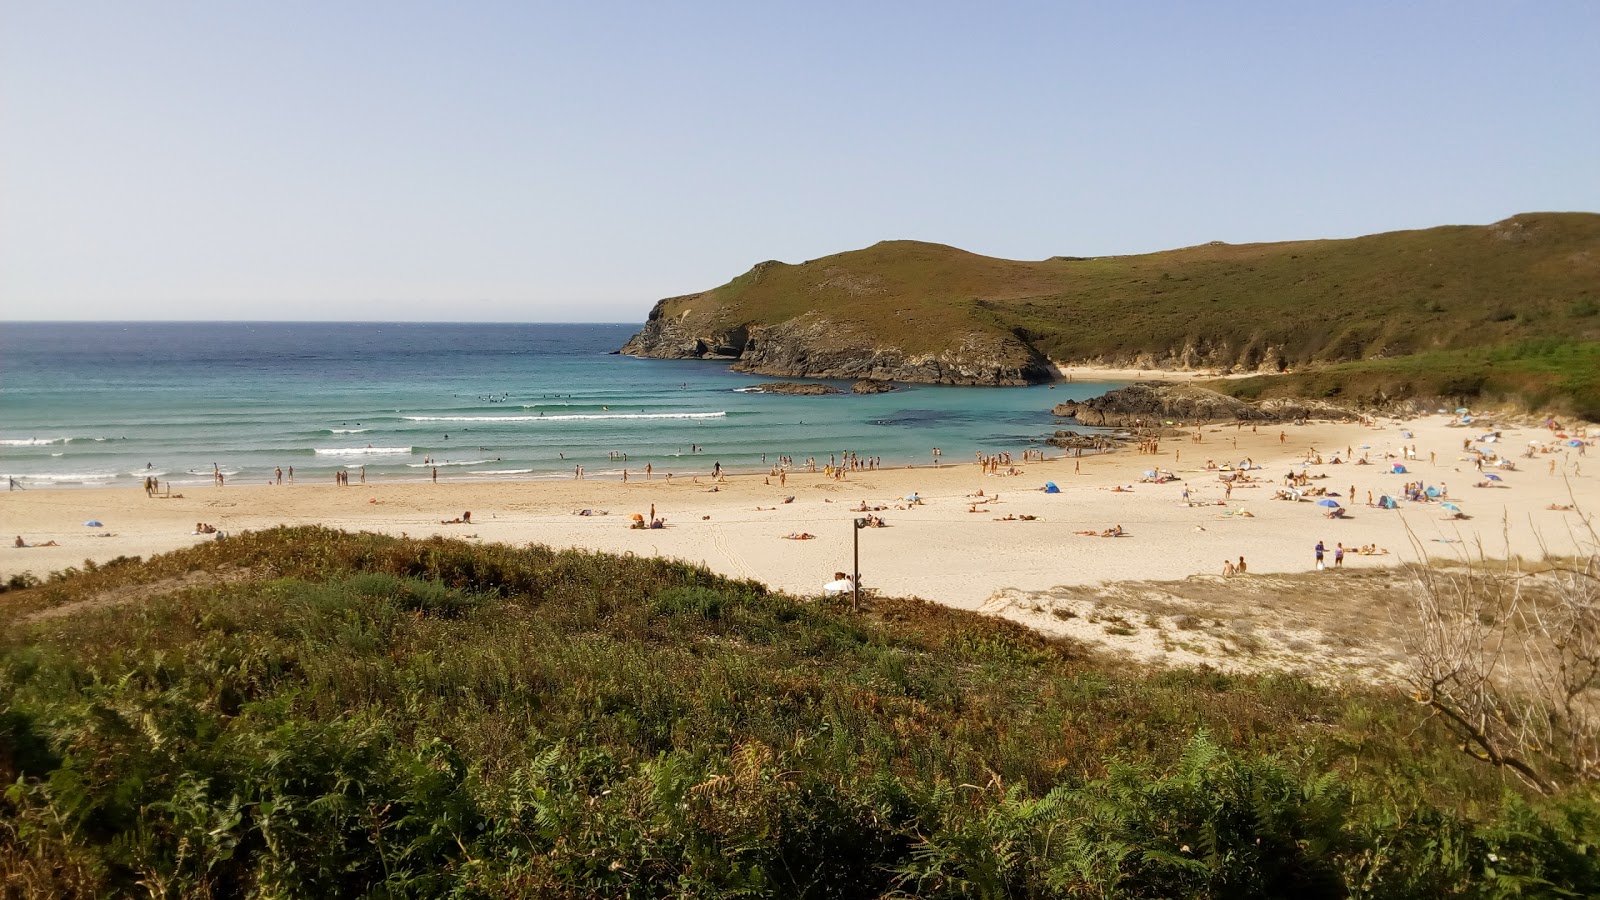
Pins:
x: 112, y: 403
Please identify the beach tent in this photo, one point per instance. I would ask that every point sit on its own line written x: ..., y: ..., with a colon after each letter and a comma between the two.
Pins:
x: 1432, y: 492
x: 1405, y: 434
x: 1387, y: 502
x: 1050, y: 488
x: 1327, y: 502
x: 1574, y: 443
x: 1492, y: 476
x: 1399, y: 469
x: 93, y: 523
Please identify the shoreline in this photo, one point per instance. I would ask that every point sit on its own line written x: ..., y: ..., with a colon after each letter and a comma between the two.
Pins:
x: 954, y: 547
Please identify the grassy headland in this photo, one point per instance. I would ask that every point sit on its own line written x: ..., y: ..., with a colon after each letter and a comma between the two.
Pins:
x: 1517, y: 284
x: 303, y: 712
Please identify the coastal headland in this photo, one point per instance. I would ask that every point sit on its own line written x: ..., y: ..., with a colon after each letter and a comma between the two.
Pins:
x: 1507, y: 313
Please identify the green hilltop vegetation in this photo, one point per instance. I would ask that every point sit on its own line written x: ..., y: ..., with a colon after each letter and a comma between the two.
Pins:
x: 309, y: 713
x: 1509, y: 310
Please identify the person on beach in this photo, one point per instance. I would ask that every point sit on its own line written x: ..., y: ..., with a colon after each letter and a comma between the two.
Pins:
x: 277, y: 472
x: 1240, y: 567
x: 1227, y: 568
x: 1338, y: 556
x: 435, y: 474
x: 1320, y: 551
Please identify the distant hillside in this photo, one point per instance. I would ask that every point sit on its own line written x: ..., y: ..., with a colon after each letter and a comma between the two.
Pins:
x: 912, y: 311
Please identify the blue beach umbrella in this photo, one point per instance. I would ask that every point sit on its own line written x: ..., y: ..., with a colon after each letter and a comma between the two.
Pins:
x: 1492, y: 477
x: 1327, y: 502
x: 1450, y: 506
x: 1461, y: 409
x: 93, y: 523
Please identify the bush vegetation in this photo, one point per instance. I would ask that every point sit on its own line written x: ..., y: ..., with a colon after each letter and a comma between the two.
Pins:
x: 304, y: 712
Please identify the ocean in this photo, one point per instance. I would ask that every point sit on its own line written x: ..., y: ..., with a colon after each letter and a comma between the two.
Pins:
x: 114, y: 403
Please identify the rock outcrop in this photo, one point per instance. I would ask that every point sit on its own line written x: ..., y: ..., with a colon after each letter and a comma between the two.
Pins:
x: 793, y: 387
x: 1153, y: 403
x: 813, y: 346
x: 866, y: 386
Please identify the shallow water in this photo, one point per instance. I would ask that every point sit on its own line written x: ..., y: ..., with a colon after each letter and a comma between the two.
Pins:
x: 112, y: 403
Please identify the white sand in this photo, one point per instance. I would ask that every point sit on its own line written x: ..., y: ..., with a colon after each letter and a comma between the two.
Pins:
x: 938, y: 550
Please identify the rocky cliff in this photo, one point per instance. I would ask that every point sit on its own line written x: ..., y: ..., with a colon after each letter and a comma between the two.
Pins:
x: 811, y: 345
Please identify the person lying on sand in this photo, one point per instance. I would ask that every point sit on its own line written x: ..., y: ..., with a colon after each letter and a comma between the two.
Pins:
x: 1113, y: 531
x: 464, y: 519
x: 23, y: 543
x: 1560, y: 507
x: 799, y: 536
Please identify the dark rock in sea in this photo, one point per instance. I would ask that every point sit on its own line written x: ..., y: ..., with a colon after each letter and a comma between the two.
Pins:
x: 869, y: 386
x: 793, y: 387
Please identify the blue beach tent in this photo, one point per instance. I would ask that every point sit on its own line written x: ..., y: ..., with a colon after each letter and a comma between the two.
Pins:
x: 1050, y: 488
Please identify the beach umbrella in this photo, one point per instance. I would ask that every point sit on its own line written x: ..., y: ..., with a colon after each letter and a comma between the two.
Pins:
x: 1492, y: 476
x: 1451, y: 506
x: 1574, y: 443
x: 637, y: 517
x: 1326, y: 502
x: 1460, y: 409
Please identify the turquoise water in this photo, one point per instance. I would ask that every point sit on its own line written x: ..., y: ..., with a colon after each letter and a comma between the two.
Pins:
x: 110, y: 403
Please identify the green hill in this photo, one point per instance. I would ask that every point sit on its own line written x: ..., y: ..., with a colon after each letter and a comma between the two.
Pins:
x: 308, y: 713
x: 926, y: 312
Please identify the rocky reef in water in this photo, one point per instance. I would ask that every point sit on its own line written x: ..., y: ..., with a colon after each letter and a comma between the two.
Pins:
x: 793, y: 387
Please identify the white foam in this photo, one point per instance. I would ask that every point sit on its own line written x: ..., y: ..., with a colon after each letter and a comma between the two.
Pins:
x: 501, y: 472
x: 27, y: 442
x: 449, y: 462
x: 568, y: 417
x: 83, y: 477
x: 348, y: 430
x: 362, y: 451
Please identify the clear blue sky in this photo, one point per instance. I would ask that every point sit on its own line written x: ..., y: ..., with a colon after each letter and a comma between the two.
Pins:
x: 524, y: 161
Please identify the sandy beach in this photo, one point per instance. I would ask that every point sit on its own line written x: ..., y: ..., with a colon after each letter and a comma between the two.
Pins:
x: 949, y: 548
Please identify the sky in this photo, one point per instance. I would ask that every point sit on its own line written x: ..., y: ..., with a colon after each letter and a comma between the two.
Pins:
x: 529, y: 161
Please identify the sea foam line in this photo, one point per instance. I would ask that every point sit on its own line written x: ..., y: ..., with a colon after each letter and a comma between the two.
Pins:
x: 362, y: 451
x: 449, y: 462
x: 28, y: 442
x: 702, y: 415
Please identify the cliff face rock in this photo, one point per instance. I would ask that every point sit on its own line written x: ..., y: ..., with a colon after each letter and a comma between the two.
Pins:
x: 1150, y: 403
x: 813, y: 346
